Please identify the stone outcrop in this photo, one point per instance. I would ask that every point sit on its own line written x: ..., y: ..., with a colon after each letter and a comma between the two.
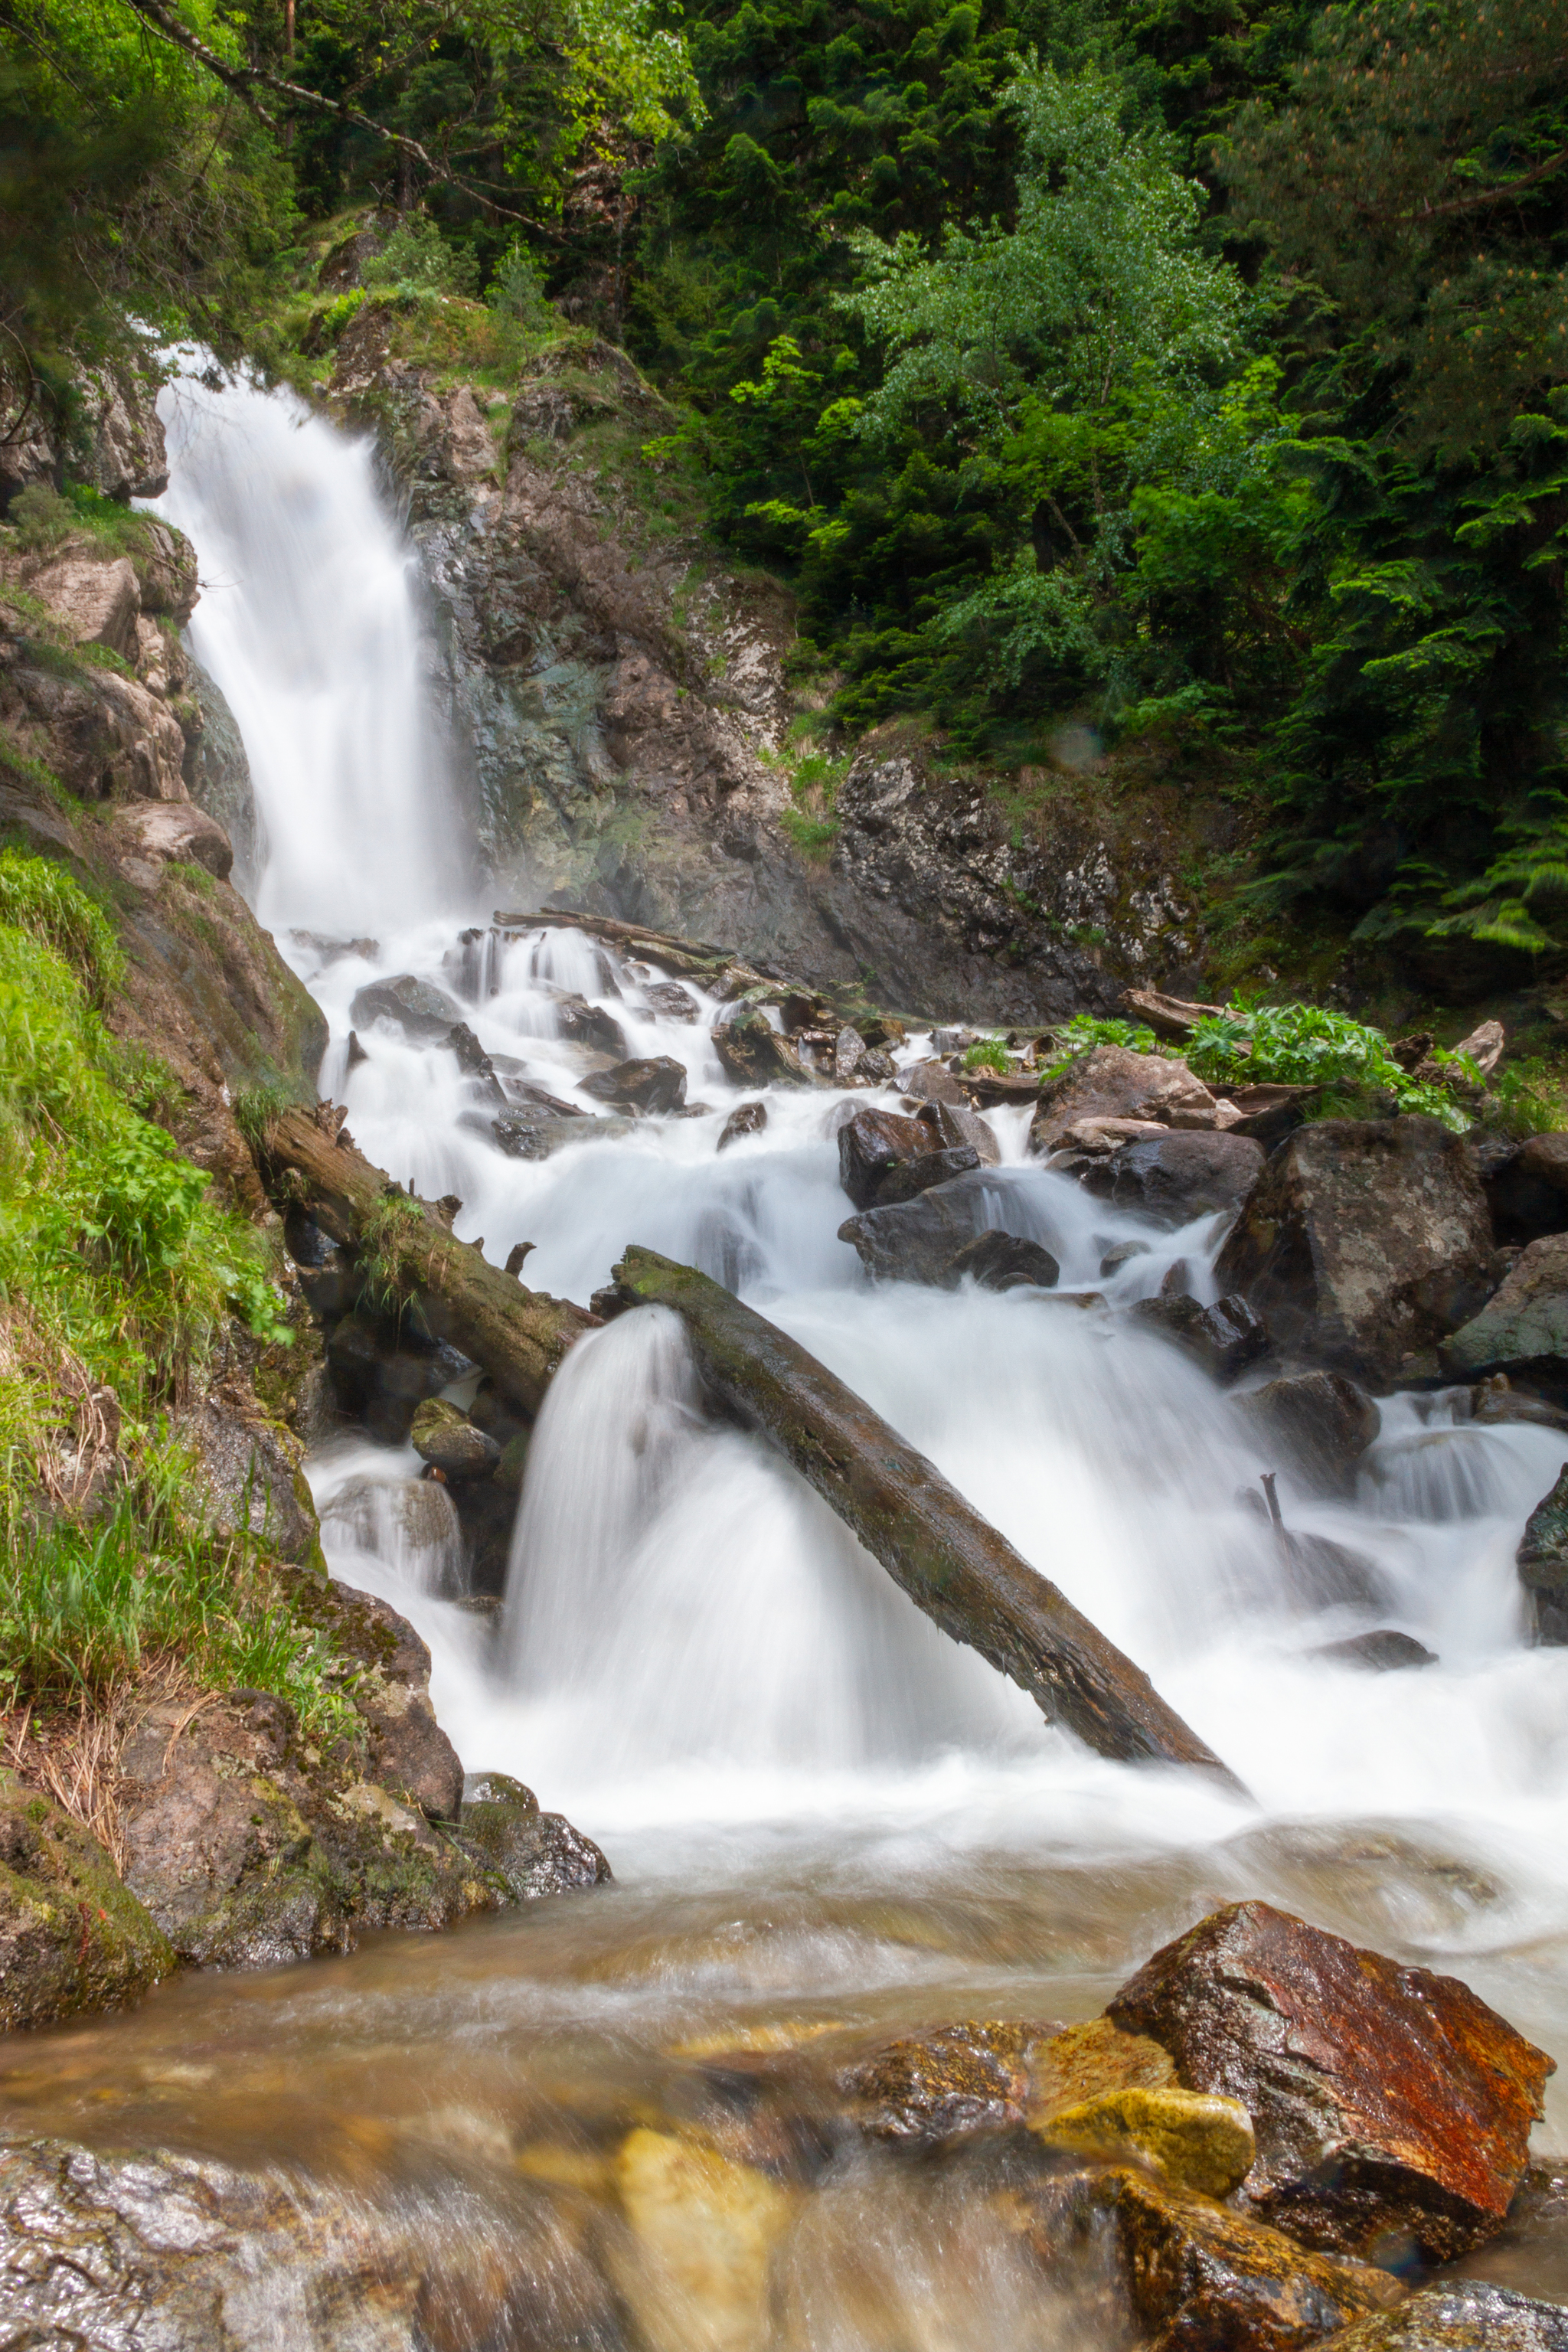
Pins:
x: 1391, y: 2107
x: 73, y: 1938
x: 1363, y: 1242
x: 1524, y: 1326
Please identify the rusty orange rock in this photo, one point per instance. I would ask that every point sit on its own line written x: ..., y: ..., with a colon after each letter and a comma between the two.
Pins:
x: 1392, y: 2106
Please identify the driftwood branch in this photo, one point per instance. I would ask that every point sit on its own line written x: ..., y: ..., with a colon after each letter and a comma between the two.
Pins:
x: 519, y: 1336
x: 947, y: 1558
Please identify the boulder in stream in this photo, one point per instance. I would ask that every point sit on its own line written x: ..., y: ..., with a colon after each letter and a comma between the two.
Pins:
x: 1364, y: 1241
x: 1542, y: 1558
x: 746, y: 1118
x: 421, y: 1010
x: 1385, y: 1651
x: 1316, y: 1424
x: 999, y: 1261
x: 926, y: 2088
x: 871, y: 1145
x: 1463, y: 2315
x: 1224, y: 1338
x: 1176, y: 1177
x: 917, y: 1241
x: 1391, y: 2107
x: 1523, y: 1325
x: 581, y: 1023
x: 654, y: 1088
x: 914, y: 1177
x: 446, y: 1438
x: 955, y: 1123
x: 535, y: 1853
x: 752, y: 1052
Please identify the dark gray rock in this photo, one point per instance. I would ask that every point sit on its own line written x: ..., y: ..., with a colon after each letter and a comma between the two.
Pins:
x: 912, y: 1177
x: 1004, y: 1262
x: 933, y: 1082
x: 670, y: 1001
x: 917, y: 1241
x: 1224, y: 1338
x: 1317, y: 1424
x: 421, y: 1010
x: 1542, y: 1558
x: 1364, y: 1241
x: 1321, y: 1574
x: 1174, y: 1178
x: 871, y: 1145
x: 475, y: 1063
x: 955, y: 1124
x: 650, y: 1089
x: 1383, y: 1651
x: 536, y: 1854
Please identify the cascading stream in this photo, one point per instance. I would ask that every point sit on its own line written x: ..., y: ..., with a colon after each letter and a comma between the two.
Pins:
x: 817, y: 1806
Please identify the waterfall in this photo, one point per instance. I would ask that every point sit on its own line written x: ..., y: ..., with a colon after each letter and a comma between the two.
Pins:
x: 308, y: 620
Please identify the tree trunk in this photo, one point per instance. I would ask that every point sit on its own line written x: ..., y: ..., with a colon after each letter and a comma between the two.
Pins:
x: 519, y: 1336
x: 946, y: 1558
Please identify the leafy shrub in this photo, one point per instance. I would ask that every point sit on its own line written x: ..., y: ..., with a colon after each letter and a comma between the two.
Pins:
x: 1083, y: 1031
x: 517, y: 290
x: 338, y: 313
x: 417, y: 259
x: 40, y: 518
x: 990, y: 1054
x: 1308, y: 1045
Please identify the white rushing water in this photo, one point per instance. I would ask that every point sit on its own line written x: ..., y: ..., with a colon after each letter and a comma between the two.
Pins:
x: 690, y: 1637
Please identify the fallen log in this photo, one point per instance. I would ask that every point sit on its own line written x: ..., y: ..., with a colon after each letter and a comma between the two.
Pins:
x: 960, y: 1570
x: 519, y: 1336
x: 696, y: 960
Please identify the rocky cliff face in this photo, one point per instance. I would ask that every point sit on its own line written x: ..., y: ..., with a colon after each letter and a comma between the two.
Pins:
x: 619, y: 703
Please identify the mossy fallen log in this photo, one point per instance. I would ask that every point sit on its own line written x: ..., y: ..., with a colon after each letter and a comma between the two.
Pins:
x: 519, y: 1336
x: 960, y: 1570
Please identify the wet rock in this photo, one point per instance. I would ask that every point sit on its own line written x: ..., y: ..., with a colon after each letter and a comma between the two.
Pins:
x: 1529, y: 1189
x: 1524, y: 1326
x: 955, y: 1124
x: 410, y: 1524
x: 1224, y: 1338
x: 536, y: 1135
x: 917, y: 1241
x: 1542, y: 1559
x: 526, y: 1094
x: 1466, y: 2317
x: 1382, y: 1652
x: 650, y: 1089
x: 1495, y: 1402
x: 439, y: 1433
x: 536, y: 1854
x: 379, y: 1372
x: 583, y: 1024
x: 1317, y: 1424
x: 475, y: 1063
x: 752, y: 1052
x: 1089, y: 2060
x: 933, y: 1082
x: 1109, y: 1082
x: 1192, y: 2138
x: 408, y: 1749
x: 925, y: 2088
x: 670, y: 1000
x: 746, y: 1118
x: 1364, y: 1240
x: 1321, y: 1574
x: 1004, y: 1262
x: 1197, y: 2277
x: 421, y: 1010
x: 1391, y: 2107
x: 1122, y: 1255
x: 72, y: 1938
x: 1174, y: 1178
x: 914, y: 1177
x: 871, y: 1145
x: 703, y: 2228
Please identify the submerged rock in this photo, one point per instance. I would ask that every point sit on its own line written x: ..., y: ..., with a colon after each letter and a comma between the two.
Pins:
x: 73, y: 1938
x: 1197, y: 2277
x: 1466, y: 2317
x: 421, y: 1010
x: 1224, y: 1339
x: 1174, y: 1178
x: 703, y: 2228
x: 1364, y: 1240
x: 1542, y: 1560
x: 652, y: 1090
x: 1383, y: 1651
x: 925, y: 2088
x: 1004, y: 1262
x: 1391, y: 2107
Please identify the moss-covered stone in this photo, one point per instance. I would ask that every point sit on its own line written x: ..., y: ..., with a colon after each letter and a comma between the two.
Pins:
x: 1196, y: 2140
x: 72, y: 1936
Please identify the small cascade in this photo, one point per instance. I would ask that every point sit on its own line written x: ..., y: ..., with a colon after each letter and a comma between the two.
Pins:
x: 308, y: 620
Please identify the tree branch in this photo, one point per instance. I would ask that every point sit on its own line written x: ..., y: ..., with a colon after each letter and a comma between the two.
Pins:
x: 244, y: 80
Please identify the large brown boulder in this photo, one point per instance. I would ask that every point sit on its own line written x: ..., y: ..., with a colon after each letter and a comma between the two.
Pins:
x: 1109, y: 1082
x: 1174, y: 1178
x: 871, y: 1145
x: 917, y: 1240
x: 1391, y: 2107
x: 1364, y: 1241
x: 1523, y: 1325
x: 650, y: 1089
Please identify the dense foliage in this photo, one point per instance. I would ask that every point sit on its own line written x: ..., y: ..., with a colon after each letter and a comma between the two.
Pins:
x: 1191, y: 371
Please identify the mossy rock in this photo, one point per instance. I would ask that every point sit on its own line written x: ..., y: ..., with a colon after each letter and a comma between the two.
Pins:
x: 72, y: 1936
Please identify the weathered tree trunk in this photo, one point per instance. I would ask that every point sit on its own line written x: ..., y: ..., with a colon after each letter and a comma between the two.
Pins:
x: 951, y: 1563
x: 519, y: 1336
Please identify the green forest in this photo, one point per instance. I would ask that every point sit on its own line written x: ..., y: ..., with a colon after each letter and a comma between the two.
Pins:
x: 1171, y: 370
